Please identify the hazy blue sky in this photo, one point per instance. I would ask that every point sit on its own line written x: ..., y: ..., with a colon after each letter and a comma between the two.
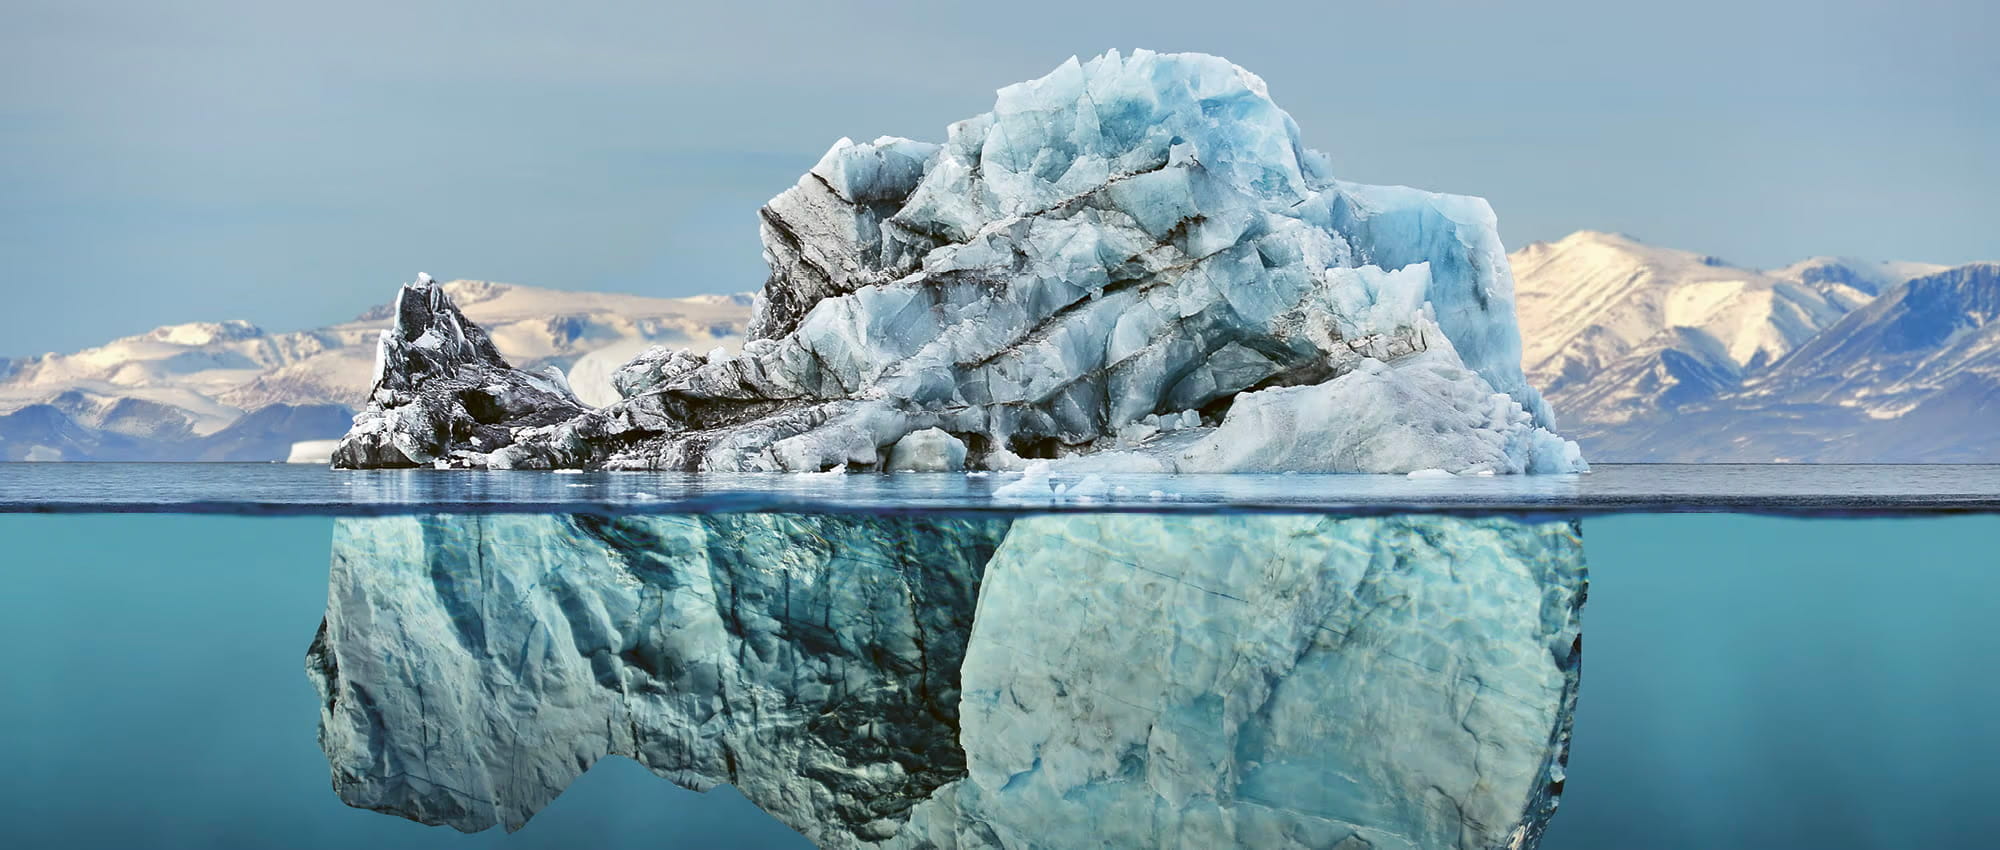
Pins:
x: 290, y: 164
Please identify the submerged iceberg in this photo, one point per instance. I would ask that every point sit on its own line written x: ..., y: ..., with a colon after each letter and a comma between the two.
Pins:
x: 1397, y: 683
x: 1124, y: 242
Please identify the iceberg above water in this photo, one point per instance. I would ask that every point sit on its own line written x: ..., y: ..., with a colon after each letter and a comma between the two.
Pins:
x: 1050, y: 681
x: 1133, y: 257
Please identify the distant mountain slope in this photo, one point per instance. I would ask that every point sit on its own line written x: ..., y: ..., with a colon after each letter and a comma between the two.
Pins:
x: 44, y: 432
x: 1912, y: 377
x: 1867, y: 277
x: 172, y: 393
x: 1652, y: 354
x: 1617, y: 330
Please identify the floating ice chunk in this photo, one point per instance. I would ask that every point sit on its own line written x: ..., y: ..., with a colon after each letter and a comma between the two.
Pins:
x: 1092, y: 487
x: 312, y: 451
x: 1431, y: 474
x: 1034, y: 485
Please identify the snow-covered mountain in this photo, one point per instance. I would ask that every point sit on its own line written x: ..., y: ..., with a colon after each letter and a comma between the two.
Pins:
x: 231, y: 391
x: 1615, y: 329
x: 1911, y: 377
x: 1649, y: 353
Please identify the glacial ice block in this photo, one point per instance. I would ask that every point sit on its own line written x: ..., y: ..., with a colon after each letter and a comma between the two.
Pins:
x: 1129, y: 237
x: 1273, y: 682
x: 1056, y: 681
x: 441, y: 387
x: 471, y: 667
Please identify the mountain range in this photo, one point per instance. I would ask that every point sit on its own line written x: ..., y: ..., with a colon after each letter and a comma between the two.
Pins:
x: 231, y: 391
x: 1650, y: 354
x: 1647, y: 354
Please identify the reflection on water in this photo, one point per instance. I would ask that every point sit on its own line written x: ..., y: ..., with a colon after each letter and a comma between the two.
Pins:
x: 1047, y: 681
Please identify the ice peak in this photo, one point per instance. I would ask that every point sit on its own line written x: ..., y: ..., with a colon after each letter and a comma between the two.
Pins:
x: 424, y: 279
x: 1089, y: 121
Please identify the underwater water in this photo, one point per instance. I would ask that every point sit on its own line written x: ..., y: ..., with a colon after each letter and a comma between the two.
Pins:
x: 1198, y: 677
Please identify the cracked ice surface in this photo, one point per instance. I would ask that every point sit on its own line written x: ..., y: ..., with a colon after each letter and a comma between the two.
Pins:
x: 1053, y: 681
x: 1127, y: 238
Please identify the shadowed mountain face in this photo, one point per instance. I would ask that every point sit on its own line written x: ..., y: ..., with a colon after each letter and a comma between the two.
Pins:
x: 1270, y: 681
x: 134, y: 430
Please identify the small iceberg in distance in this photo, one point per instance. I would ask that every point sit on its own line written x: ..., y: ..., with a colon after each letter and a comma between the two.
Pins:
x: 1133, y: 260
x: 312, y: 451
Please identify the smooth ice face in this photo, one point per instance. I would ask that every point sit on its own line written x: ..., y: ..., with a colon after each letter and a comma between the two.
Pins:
x: 1056, y: 681
x: 1125, y: 239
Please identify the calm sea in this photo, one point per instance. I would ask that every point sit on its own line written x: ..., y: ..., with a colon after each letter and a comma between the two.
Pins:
x: 1777, y: 657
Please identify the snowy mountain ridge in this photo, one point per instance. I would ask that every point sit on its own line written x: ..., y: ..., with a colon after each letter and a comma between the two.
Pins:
x: 156, y: 395
x: 1911, y: 377
x: 1616, y: 329
x: 1653, y: 354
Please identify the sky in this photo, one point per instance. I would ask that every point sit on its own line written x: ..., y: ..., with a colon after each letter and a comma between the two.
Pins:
x: 290, y: 164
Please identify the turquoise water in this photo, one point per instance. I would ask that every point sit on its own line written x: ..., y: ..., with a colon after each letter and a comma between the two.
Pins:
x: 1751, y: 682
x: 157, y: 698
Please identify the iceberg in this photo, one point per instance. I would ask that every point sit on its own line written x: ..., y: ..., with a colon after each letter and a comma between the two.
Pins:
x: 442, y: 390
x: 1046, y: 681
x: 1128, y: 240
x: 471, y: 667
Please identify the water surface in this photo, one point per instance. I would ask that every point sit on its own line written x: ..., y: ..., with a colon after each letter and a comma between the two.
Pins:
x: 269, y: 488
x: 1752, y: 681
